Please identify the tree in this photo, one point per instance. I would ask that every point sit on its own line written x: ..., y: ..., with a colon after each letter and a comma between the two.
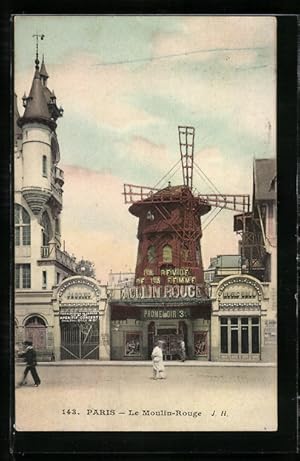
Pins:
x: 86, y: 267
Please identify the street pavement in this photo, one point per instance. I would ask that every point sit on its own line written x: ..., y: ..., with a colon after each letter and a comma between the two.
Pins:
x: 126, y: 398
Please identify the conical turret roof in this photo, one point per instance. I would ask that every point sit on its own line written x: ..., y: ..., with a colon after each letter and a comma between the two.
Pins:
x: 40, y: 104
x: 36, y: 106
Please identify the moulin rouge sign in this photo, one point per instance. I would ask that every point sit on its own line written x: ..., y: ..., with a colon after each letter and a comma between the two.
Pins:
x: 180, y: 283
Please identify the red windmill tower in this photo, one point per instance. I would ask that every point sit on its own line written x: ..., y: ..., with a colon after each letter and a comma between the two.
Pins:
x: 169, y: 229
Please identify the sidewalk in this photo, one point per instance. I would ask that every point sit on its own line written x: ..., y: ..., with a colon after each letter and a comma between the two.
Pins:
x: 140, y: 363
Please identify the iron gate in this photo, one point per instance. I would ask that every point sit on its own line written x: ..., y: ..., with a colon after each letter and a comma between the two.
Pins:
x: 80, y: 340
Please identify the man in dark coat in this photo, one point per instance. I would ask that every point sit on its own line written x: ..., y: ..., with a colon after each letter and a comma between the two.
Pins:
x: 29, y: 355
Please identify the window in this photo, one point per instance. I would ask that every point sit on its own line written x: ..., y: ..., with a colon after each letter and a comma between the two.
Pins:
x: 239, y: 335
x: 245, y: 336
x: 167, y: 254
x: 57, y: 227
x: 44, y: 166
x: 234, y: 335
x: 224, y: 335
x: 44, y: 280
x: 57, y: 278
x: 255, y: 335
x: 151, y: 254
x: 22, y: 276
x: 47, y: 229
x: 22, y: 226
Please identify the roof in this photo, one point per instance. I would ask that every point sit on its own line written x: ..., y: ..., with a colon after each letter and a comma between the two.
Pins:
x: 170, y: 194
x: 225, y: 261
x: 41, y: 102
x: 265, y: 179
x: 36, y: 106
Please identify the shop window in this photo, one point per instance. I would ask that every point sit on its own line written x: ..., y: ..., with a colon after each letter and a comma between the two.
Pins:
x: 255, y: 335
x: 234, y: 336
x: 167, y: 254
x: 244, y: 336
x: 22, y: 226
x: 239, y: 335
x: 151, y: 254
x: 22, y: 276
x: 224, y: 335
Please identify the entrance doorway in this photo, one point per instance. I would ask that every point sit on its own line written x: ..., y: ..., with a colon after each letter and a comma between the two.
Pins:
x: 35, y: 331
x: 79, y: 340
x: 171, y: 335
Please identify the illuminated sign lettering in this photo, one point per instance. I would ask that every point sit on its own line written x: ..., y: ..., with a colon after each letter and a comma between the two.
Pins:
x: 163, y: 291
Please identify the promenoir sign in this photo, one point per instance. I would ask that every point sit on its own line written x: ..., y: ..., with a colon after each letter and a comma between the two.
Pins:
x: 163, y: 291
x: 155, y: 314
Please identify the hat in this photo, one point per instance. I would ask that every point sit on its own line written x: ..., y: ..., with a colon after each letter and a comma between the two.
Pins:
x: 27, y: 343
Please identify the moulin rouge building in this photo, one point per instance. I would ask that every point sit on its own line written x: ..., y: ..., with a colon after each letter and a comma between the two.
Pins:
x: 69, y: 316
x: 169, y: 299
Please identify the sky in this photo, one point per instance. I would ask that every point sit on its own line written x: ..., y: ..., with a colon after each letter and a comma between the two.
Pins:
x: 126, y: 83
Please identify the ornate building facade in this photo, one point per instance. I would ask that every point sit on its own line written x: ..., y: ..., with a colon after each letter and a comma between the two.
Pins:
x: 40, y: 261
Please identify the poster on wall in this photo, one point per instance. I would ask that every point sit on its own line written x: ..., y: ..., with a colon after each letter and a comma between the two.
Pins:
x: 148, y: 137
x: 200, y: 343
x: 133, y: 344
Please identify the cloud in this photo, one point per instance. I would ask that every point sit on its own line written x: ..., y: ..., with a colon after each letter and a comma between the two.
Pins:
x: 97, y: 94
x: 96, y: 223
x: 209, y: 33
x: 228, y: 177
x: 131, y: 108
x: 147, y: 153
x: 218, y: 237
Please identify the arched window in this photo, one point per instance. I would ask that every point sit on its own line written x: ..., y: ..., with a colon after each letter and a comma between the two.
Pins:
x: 47, y: 229
x: 151, y: 254
x: 22, y: 226
x: 167, y: 254
x: 35, y: 331
x: 44, y: 167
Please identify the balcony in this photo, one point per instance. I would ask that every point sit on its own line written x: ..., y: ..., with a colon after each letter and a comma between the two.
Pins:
x: 51, y: 252
x: 59, y: 176
x: 36, y: 197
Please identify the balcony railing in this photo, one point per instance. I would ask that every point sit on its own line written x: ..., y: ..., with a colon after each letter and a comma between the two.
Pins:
x: 65, y: 259
x: 55, y: 254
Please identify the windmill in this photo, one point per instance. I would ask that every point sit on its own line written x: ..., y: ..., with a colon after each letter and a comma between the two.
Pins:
x: 169, y: 229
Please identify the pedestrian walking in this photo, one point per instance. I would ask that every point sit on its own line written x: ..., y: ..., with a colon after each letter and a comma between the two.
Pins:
x: 29, y: 354
x: 157, y: 361
x: 182, y: 350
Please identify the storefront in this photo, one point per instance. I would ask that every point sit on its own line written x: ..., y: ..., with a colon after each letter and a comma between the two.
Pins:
x: 241, y: 318
x: 81, y: 320
x: 142, y: 315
